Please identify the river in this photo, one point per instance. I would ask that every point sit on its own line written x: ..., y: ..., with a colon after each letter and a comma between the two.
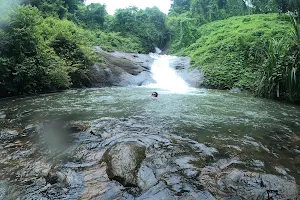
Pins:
x: 200, y: 127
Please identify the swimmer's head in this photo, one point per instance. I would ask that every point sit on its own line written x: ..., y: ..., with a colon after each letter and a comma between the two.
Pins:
x: 154, y: 94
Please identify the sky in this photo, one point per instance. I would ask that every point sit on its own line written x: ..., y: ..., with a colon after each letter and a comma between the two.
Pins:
x: 112, y: 5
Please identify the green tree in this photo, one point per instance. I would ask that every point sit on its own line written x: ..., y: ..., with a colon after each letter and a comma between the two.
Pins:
x: 148, y: 25
x: 27, y: 64
x: 93, y: 15
x: 180, y: 6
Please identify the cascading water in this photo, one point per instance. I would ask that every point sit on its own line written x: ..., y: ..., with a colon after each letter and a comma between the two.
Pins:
x: 165, y: 77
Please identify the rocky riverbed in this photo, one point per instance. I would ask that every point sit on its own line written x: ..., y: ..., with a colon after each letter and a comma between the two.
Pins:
x: 95, y: 151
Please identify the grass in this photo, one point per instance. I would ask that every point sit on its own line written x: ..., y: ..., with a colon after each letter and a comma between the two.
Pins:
x: 231, y: 52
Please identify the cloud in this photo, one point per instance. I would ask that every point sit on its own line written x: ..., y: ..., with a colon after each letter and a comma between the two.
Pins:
x: 112, y: 5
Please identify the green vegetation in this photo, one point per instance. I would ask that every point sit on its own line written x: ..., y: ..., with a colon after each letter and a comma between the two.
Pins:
x: 231, y: 51
x: 257, y: 52
x: 48, y: 44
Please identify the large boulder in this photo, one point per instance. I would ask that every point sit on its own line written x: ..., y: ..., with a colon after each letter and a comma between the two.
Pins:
x: 121, y: 69
x: 192, y: 76
x: 124, y: 161
x: 131, y: 69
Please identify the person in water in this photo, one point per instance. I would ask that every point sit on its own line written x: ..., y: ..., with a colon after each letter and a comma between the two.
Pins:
x: 154, y: 94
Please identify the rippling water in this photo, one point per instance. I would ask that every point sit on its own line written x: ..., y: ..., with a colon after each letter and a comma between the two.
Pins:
x: 263, y: 135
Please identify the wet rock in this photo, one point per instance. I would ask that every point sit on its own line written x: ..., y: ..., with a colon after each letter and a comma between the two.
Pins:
x: 2, y: 116
x: 17, y: 143
x: 76, y: 128
x: 193, y: 77
x: 162, y: 191
x: 280, y: 170
x: 29, y: 129
x: 235, y: 90
x: 98, y: 185
x: 124, y: 161
x: 72, y: 178
x: 55, y: 177
x: 146, y: 178
x: 232, y: 198
x: 250, y: 185
x: 128, y: 69
x: 197, y: 195
x: 3, y: 189
x: 159, y: 191
x: 257, y: 163
x: 8, y: 134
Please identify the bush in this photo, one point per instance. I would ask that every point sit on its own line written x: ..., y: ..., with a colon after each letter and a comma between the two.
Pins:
x: 27, y: 63
x: 231, y: 52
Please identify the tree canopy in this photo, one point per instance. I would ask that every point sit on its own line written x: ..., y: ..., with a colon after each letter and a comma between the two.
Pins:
x: 47, y: 44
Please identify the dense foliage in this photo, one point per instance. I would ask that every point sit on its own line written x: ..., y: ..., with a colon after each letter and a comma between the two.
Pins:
x: 187, y: 15
x: 231, y: 51
x: 47, y: 44
x: 257, y: 52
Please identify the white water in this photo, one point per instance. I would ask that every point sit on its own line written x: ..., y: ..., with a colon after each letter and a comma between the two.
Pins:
x: 165, y: 76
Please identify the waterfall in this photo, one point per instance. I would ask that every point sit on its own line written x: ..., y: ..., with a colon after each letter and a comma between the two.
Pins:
x: 165, y: 76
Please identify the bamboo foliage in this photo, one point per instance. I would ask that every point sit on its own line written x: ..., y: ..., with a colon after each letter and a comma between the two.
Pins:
x: 281, y: 67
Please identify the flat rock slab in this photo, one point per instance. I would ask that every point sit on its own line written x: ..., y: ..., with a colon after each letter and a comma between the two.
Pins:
x: 235, y: 183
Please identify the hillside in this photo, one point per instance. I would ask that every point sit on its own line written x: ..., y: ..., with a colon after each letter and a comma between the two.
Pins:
x: 232, y: 51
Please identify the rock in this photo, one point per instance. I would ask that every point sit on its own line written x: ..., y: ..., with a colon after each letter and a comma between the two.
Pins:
x: 127, y: 69
x: 235, y: 90
x: 101, y: 76
x: 257, y: 163
x: 159, y: 191
x: 146, y: 178
x: 2, y: 116
x: 8, y: 134
x: 29, y: 129
x: 3, y: 189
x: 194, y: 77
x: 76, y: 128
x: 232, y: 198
x: 123, y: 162
x: 55, y: 177
x: 72, y: 178
x: 250, y: 185
x: 280, y: 170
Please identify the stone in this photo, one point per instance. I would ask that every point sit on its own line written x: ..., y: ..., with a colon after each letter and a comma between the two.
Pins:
x: 159, y: 191
x: 52, y: 177
x: 280, y: 170
x: 8, y: 134
x: 127, y: 69
x: 2, y: 116
x: 146, y: 178
x: 76, y: 128
x: 3, y: 189
x: 250, y: 185
x: 235, y: 90
x: 257, y: 163
x: 123, y: 162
